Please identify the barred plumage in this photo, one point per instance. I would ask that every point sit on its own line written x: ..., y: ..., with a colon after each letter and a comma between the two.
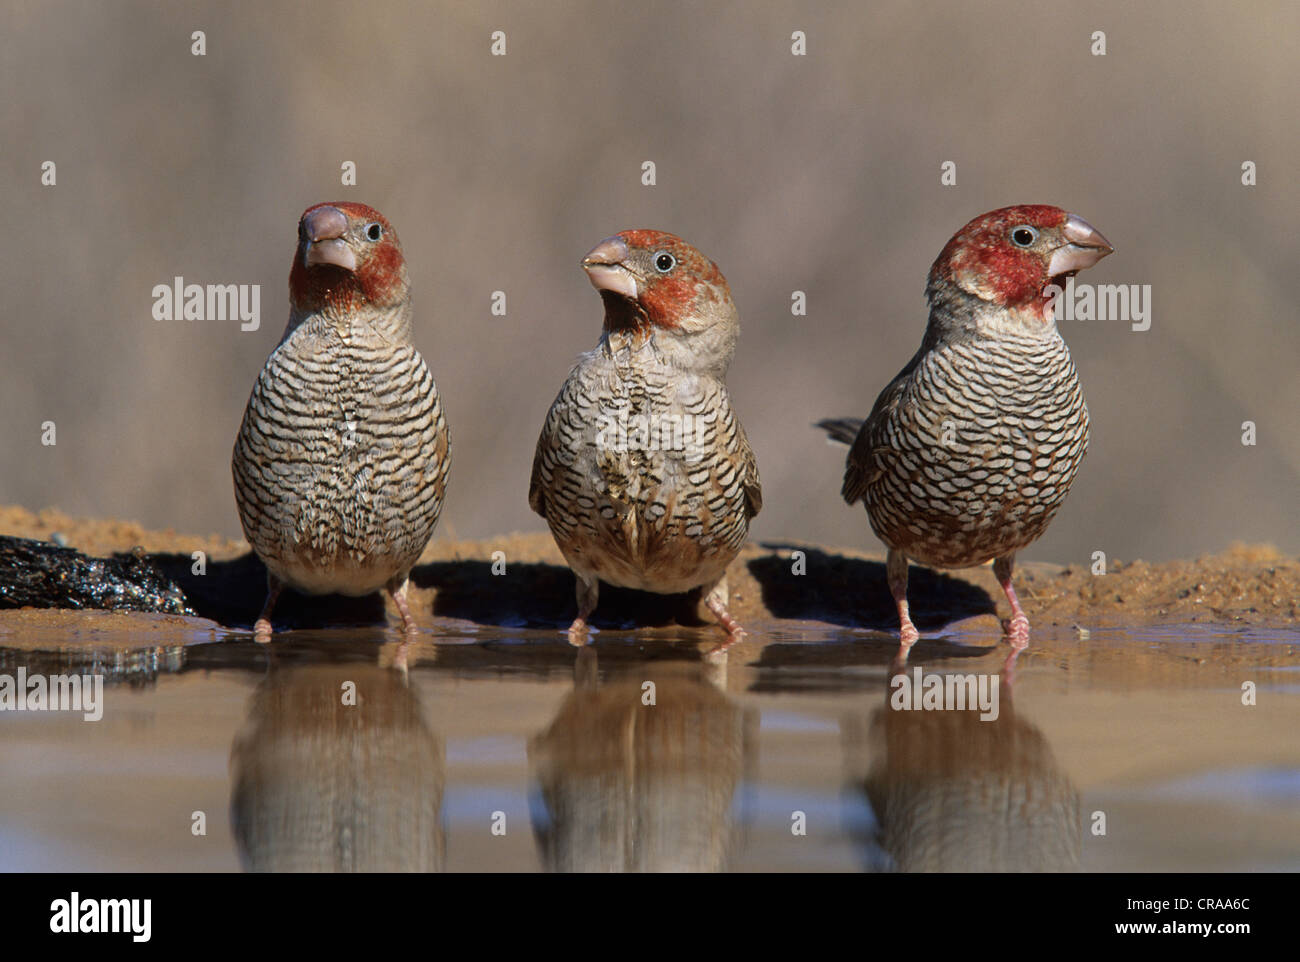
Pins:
x: 624, y: 789
x: 975, y: 449
x: 969, y: 452
x: 642, y: 470
x: 662, y: 520
x: 953, y: 791
x: 341, y: 462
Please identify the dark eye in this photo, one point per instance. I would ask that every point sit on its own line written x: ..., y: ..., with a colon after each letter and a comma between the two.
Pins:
x: 374, y: 231
x: 1023, y: 236
x: 664, y: 262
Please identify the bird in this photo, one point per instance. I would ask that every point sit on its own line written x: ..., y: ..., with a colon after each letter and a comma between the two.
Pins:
x: 622, y: 789
x: 954, y: 791
x: 323, y: 783
x: 340, y: 465
x: 643, y: 471
x: 970, y: 451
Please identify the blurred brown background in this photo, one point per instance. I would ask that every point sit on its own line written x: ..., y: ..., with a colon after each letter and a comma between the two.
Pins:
x: 817, y: 173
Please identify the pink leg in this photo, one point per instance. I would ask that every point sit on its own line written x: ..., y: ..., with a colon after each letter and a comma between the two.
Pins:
x: 716, y: 601
x: 588, y: 594
x: 729, y: 624
x: 896, y: 569
x: 262, y: 627
x: 398, y: 591
x: 1017, y: 628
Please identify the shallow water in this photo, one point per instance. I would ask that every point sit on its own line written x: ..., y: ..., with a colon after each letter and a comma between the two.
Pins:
x: 488, y: 750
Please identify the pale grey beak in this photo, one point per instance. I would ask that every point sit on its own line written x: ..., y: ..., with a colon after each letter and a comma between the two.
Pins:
x: 605, y: 268
x: 323, y: 230
x: 1086, y: 246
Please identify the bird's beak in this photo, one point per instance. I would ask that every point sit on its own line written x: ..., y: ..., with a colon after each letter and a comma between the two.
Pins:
x: 322, y: 232
x: 605, y: 268
x: 1084, y: 247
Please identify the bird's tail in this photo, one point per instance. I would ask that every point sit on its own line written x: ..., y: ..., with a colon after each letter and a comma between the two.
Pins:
x: 843, y: 430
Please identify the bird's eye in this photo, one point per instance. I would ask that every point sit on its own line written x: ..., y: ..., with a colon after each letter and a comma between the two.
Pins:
x: 1023, y: 236
x: 664, y: 262
x: 375, y: 231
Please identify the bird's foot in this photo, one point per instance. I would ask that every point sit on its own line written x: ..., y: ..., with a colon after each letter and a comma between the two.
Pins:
x: 398, y: 592
x: 729, y: 624
x: 1016, y: 629
x: 733, y: 636
x: 262, y: 627
x: 580, y: 633
x: 907, y: 637
x: 1017, y: 626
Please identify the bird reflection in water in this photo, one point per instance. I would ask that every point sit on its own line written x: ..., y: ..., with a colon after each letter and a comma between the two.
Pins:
x: 335, y: 770
x: 626, y: 786
x: 953, y: 793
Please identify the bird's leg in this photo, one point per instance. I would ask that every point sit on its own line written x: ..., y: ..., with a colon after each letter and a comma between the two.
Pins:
x: 1017, y: 628
x: 896, y: 571
x: 719, y: 609
x: 588, y: 592
x: 397, y: 588
x: 262, y: 627
x: 716, y: 599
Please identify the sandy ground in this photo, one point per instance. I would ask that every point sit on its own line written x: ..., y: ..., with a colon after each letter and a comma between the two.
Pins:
x: 772, y: 588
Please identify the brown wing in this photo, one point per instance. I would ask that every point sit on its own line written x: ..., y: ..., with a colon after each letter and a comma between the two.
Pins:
x: 749, y: 474
x: 544, y: 458
x: 560, y: 439
x: 867, y: 458
x: 535, y: 499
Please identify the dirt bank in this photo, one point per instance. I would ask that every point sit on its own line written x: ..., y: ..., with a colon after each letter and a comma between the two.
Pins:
x: 771, y: 584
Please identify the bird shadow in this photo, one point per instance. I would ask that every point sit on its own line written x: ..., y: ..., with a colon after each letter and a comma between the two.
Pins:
x: 540, y: 595
x: 832, y: 588
x: 522, y: 596
x: 231, y: 593
x: 854, y: 592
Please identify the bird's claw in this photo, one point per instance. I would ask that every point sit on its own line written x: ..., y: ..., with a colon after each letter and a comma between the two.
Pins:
x: 1017, y: 631
x: 580, y: 633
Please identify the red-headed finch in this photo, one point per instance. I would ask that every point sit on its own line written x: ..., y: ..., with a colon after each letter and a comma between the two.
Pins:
x: 971, y: 449
x: 643, y: 471
x: 341, y: 461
